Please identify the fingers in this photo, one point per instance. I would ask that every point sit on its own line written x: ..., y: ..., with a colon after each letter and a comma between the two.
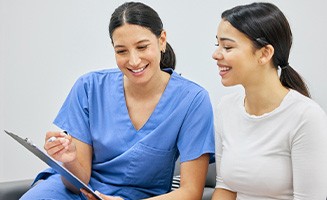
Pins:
x: 57, y: 142
x: 52, y: 134
x: 88, y: 195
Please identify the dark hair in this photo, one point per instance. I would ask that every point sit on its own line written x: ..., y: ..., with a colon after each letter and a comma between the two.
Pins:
x: 263, y: 24
x: 140, y: 14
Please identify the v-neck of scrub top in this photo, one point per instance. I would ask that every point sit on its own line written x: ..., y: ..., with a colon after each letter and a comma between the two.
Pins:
x: 150, y: 122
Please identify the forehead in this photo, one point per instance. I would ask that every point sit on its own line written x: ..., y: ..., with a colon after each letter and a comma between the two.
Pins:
x: 226, y: 30
x: 225, y: 26
x: 130, y: 34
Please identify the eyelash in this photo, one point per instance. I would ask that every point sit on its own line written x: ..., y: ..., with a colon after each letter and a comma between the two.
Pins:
x: 143, y: 47
x: 139, y: 48
x: 226, y: 47
x: 120, y: 51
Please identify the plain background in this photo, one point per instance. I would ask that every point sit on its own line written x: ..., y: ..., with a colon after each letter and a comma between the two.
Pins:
x: 45, y: 45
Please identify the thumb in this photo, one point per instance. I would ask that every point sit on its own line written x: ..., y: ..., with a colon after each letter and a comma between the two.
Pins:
x: 104, y: 197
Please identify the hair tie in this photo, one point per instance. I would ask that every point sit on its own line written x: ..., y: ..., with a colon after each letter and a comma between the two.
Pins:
x: 284, y: 66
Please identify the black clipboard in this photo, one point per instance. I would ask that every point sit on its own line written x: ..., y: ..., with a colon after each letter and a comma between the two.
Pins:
x: 28, y: 144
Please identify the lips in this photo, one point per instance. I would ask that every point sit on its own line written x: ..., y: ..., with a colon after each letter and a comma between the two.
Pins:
x: 139, y: 70
x: 223, y: 69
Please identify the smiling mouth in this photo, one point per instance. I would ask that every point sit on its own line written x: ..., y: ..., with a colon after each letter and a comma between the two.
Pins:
x: 224, y: 69
x: 139, y: 70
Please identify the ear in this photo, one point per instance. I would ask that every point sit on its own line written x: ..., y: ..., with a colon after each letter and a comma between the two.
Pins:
x: 162, y: 41
x: 266, y: 54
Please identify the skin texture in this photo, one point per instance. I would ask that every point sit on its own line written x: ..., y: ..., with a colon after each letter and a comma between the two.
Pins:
x: 233, y: 44
x: 240, y: 63
x: 138, y: 53
x: 252, y: 68
x: 222, y: 194
x: 75, y: 155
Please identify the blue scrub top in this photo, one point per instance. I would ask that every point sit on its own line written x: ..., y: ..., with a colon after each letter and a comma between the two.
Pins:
x: 130, y: 163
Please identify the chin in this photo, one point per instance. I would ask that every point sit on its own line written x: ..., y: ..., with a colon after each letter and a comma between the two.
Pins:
x: 227, y: 84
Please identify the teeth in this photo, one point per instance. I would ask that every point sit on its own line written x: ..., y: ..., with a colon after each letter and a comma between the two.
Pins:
x: 224, y: 68
x: 138, y: 70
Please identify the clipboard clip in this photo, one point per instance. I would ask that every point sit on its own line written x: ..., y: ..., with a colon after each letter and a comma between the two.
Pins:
x: 29, y: 141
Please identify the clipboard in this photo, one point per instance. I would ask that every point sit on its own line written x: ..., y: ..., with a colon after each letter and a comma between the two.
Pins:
x: 28, y: 144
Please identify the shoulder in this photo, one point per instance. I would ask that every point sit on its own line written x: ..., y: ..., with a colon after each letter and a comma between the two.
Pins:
x: 187, y: 94
x: 182, y: 83
x: 100, y: 74
x: 309, y: 117
x: 305, y: 106
x: 97, y: 79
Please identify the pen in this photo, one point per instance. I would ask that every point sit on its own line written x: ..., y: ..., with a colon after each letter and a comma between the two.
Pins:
x: 53, y: 138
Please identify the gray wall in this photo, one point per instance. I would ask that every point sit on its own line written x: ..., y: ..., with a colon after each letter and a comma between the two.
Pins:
x: 45, y: 45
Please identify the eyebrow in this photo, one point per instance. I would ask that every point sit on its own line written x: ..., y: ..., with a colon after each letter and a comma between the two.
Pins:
x: 225, y: 39
x: 139, y: 42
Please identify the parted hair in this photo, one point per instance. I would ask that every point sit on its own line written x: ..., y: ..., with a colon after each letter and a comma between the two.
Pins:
x: 137, y: 13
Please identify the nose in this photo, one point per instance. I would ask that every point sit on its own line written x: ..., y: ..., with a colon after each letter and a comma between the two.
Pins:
x: 217, y: 54
x: 134, y: 59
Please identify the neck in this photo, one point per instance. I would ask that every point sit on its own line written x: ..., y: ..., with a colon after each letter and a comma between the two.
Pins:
x: 265, y: 97
x: 155, y: 86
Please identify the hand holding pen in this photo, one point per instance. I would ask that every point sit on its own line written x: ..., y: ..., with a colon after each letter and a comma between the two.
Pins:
x: 59, y: 145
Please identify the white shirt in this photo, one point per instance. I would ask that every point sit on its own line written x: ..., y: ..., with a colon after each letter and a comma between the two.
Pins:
x: 278, y: 155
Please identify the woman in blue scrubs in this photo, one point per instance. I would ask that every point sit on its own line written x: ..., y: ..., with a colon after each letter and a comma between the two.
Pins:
x: 128, y: 126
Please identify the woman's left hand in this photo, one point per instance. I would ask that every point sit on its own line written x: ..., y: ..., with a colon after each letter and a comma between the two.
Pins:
x: 104, y: 197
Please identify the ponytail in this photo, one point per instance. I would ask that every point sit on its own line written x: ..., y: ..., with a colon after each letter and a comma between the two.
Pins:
x: 168, y: 58
x: 291, y: 79
x: 264, y: 23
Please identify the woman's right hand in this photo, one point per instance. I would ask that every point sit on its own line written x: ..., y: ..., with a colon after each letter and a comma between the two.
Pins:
x: 60, y: 146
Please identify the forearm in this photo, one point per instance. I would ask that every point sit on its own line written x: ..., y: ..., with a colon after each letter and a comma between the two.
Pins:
x: 81, y: 165
x: 75, y: 168
x: 193, y: 176
x: 222, y: 194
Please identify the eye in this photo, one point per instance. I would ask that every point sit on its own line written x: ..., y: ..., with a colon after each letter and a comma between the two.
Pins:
x: 228, y: 48
x: 143, y: 47
x: 120, y: 51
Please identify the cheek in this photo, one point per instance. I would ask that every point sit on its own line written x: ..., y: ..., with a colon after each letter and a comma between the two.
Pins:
x: 236, y: 58
x: 120, y: 61
x: 231, y: 58
x: 153, y: 54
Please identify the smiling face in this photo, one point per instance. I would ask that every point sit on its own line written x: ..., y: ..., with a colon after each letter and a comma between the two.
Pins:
x: 137, y: 52
x: 236, y: 57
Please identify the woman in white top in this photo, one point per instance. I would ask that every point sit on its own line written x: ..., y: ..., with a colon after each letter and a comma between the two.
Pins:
x: 271, y: 142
